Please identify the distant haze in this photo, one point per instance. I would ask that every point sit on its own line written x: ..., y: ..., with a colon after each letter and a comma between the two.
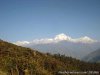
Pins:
x: 63, y: 44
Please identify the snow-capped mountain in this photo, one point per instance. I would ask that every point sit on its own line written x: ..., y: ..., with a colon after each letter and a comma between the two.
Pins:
x: 63, y: 44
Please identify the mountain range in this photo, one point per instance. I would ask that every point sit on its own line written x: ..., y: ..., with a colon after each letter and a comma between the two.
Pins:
x: 17, y: 60
x: 63, y: 44
x: 93, y: 56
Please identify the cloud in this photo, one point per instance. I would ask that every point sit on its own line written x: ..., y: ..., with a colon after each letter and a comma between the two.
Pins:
x: 20, y: 43
x: 56, y: 39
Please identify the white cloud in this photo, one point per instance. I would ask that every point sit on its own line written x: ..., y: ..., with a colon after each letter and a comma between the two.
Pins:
x: 42, y: 41
x: 57, y: 38
x: 20, y: 43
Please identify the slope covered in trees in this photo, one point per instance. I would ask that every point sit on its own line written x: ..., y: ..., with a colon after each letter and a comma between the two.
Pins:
x: 17, y: 60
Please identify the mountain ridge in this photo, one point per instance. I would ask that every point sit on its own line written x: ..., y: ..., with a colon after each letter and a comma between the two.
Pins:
x: 63, y: 44
x: 58, y: 38
x: 75, y: 50
x: 17, y: 60
x: 93, y: 56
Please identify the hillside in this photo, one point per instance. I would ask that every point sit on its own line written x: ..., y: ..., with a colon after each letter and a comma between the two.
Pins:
x: 17, y: 60
x: 93, y: 56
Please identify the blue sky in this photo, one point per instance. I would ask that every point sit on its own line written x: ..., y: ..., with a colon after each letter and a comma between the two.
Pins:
x: 31, y: 19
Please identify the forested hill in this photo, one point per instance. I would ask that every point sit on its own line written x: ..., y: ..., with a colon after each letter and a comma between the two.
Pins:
x: 17, y: 60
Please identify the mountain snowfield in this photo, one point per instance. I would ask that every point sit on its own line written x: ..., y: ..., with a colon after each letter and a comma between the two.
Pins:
x: 56, y: 39
x: 63, y: 44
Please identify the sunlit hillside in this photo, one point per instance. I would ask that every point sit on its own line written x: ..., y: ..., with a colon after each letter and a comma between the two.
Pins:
x: 17, y: 60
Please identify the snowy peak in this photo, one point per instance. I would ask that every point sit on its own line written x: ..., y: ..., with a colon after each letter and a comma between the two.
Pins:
x: 56, y: 39
x: 62, y: 37
x: 86, y: 40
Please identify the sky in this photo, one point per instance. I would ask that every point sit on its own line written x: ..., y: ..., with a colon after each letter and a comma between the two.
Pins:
x: 35, y: 19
